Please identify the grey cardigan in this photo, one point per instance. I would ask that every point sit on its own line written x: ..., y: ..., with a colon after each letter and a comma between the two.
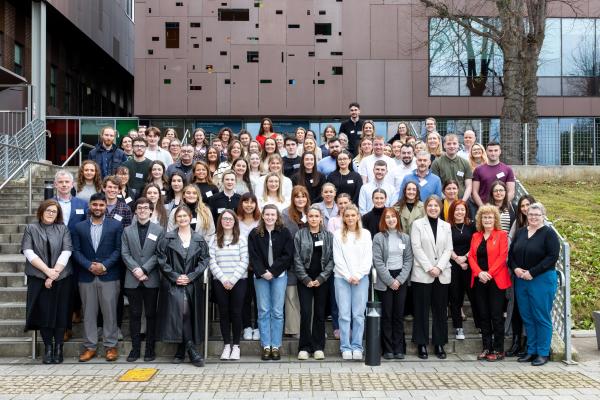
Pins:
x: 380, y: 258
x: 37, y: 237
x: 303, y: 250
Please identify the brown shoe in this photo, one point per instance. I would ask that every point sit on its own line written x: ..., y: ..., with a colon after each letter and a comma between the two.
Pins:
x: 67, y: 335
x: 87, y: 355
x: 76, y: 318
x: 112, y: 353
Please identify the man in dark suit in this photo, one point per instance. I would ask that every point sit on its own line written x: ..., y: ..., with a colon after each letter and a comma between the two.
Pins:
x: 97, y: 252
x: 74, y: 210
x: 142, y: 277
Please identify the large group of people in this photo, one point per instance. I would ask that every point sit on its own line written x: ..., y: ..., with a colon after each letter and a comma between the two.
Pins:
x: 290, y: 232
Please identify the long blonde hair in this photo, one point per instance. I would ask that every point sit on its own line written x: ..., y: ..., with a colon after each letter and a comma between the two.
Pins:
x: 202, y: 211
x: 438, y: 150
x: 484, y: 158
x: 351, y: 207
x: 266, y: 189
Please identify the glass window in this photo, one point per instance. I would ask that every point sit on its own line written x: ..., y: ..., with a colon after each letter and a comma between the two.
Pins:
x: 549, y: 61
x: 18, y: 59
x: 443, y: 47
x: 172, y: 35
x: 577, y: 47
x: 53, y: 73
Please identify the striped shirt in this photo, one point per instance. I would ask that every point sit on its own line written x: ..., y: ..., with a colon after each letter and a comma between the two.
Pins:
x: 229, y: 263
x: 505, y: 220
x: 96, y: 234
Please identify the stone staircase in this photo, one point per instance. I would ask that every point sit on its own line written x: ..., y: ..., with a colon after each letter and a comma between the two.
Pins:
x: 15, y: 342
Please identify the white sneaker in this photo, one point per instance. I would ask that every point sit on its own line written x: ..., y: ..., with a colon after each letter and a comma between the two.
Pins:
x: 303, y: 355
x: 460, y: 334
x: 120, y: 335
x: 319, y: 355
x: 347, y: 355
x: 226, y: 354
x: 255, y: 334
x: 247, y: 333
x: 357, y: 355
x: 235, y: 353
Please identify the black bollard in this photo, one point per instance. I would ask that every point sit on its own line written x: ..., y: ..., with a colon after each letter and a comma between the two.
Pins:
x: 373, y: 344
x: 48, y: 190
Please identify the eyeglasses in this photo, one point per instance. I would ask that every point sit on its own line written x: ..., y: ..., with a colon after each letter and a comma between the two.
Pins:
x: 49, y: 211
x: 535, y: 215
x: 228, y: 219
x: 139, y: 146
x: 142, y: 208
x: 499, y: 190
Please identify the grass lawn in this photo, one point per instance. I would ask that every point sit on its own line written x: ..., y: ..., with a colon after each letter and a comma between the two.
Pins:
x: 574, y: 207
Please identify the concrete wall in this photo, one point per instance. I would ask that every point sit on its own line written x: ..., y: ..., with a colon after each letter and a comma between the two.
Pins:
x: 557, y: 173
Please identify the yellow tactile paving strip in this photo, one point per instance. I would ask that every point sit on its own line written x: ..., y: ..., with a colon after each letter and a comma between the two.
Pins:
x: 274, y: 382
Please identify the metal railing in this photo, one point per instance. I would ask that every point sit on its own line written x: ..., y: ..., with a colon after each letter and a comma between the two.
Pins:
x: 77, y: 151
x: 24, y: 145
x: 12, y: 122
x: 185, y: 136
x: 561, y: 310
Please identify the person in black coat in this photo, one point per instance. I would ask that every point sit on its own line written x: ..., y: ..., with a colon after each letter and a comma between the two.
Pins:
x: 182, y: 256
x: 309, y: 177
x: 344, y: 178
x: 370, y: 221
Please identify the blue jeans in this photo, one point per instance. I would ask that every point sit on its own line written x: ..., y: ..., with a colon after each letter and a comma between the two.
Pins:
x: 352, y: 303
x: 270, y: 298
x: 535, y: 299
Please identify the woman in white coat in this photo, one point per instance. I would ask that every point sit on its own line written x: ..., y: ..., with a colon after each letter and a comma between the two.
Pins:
x: 431, y: 240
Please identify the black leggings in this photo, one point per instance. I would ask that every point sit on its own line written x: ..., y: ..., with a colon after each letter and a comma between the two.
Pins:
x: 230, y: 304
x: 52, y: 333
x: 249, y: 309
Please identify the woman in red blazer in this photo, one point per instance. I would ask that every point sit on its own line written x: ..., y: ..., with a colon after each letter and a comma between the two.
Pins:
x: 489, y: 280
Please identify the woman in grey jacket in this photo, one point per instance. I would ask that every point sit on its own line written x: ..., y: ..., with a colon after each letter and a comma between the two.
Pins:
x: 393, y: 260
x: 313, y: 264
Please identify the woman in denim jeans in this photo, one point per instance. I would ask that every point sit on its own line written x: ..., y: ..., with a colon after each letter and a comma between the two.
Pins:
x: 352, y: 254
x: 271, y: 250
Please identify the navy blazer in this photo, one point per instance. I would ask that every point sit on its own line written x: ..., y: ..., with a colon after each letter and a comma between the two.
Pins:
x: 75, y: 218
x: 108, y: 253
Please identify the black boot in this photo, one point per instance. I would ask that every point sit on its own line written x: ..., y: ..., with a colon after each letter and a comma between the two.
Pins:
x: 195, y: 356
x: 523, y: 349
x: 149, y: 354
x: 48, y: 354
x: 179, y: 354
x: 515, y: 348
x: 58, y: 354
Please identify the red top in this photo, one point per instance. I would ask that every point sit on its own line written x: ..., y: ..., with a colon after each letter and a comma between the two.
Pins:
x: 261, y: 139
x: 497, y: 252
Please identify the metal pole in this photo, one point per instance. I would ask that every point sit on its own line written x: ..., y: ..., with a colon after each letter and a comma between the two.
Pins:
x: 571, y: 145
x: 29, y: 184
x: 33, y: 343
x: 206, y: 302
x: 526, y: 144
x: 567, y: 303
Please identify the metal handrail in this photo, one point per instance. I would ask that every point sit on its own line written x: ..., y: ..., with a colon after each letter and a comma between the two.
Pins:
x: 77, y: 150
x: 46, y: 132
x: 206, y: 303
x: 185, y: 135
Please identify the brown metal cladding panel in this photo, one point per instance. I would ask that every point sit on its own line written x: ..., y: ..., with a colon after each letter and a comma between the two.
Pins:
x: 195, y: 8
x: 244, y: 82
x: 297, y: 15
x: 243, y: 31
x: 273, y: 26
x: 328, y: 93
x: 271, y: 68
x: 398, y: 90
x: 333, y: 16
x: 219, y: 34
x: 420, y: 34
x: 356, y: 29
x: 155, y: 27
x: 405, y: 40
x: 223, y: 94
x: 454, y: 106
x: 349, y: 83
x: 210, y: 7
x: 140, y: 50
x: 150, y: 8
x: 195, y: 37
x: 371, y: 86
x: 139, y: 87
x: 577, y: 106
x: 172, y: 95
x: 593, y: 9
x: 384, y: 32
x: 482, y: 106
x: 152, y: 87
x: 550, y: 106
x: 171, y: 9
x: 182, y: 51
x: 301, y: 69
x: 201, y: 102
x: 434, y: 106
x: 420, y: 87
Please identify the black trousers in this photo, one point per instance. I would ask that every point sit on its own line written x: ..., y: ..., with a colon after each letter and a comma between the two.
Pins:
x: 230, y: 304
x: 52, y: 333
x: 142, y: 298
x: 313, y: 302
x: 392, y: 319
x: 432, y: 296
x: 459, y: 285
x: 249, y: 309
x: 516, y: 320
x: 489, y: 301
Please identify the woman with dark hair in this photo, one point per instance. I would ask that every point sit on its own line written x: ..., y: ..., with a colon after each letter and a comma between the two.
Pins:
x: 402, y: 133
x: 183, y: 256
x: 126, y: 193
x: 393, y: 260
x: 248, y: 215
x: 229, y: 268
x: 344, y: 179
x: 265, y: 131
x: 328, y: 133
x: 409, y: 206
x: 177, y: 182
x: 157, y: 174
x: 200, y: 144
x: 47, y: 247
x: 268, y: 149
x: 89, y: 180
x: 431, y: 240
x: 271, y: 250
x: 201, y: 221
x: 313, y: 265
x: 328, y: 207
x: 370, y: 221
x: 226, y: 137
x: 309, y: 177
x: 245, y: 138
x: 127, y: 146
x: 489, y: 280
x: 159, y: 214
x: 499, y: 198
x: 213, y: 159
x: 202, y: 178
x: 462, y: 232
x: 242, y: 176
x: 235, y: 151
x: 450, y: 190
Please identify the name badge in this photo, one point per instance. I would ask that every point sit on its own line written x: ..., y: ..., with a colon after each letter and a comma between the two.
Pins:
x: 208, y: 194
x: 296, y: 166
x: 500, y: 175
x: 359, y: 133
x: 310, y: 180
x: 460, y: 173
x: 303, y: 219
x: 351, y: 131
x: 152, y: 237
x: 423, y: 183
x: 118, y: 217
x: 119, y: 196
x: 402, y: 246
x: 139, y: 175
x: 163, y: 192
x: 220, y: 210
x: 193, y: 221
x: 318, y: 243
x: 128, y: 200
x: 349, y: 181
x: 79, y: 211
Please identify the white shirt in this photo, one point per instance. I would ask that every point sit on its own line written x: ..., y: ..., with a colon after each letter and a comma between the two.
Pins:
x: 366, y: 167
x: 160, y: 155
x: 365, y: 201
x: 286, y: 189
x: 400, y: 171
x: 353, y: 257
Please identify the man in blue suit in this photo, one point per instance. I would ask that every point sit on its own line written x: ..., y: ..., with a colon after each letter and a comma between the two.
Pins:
x: 97, y: 251
x: 74, y: 210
